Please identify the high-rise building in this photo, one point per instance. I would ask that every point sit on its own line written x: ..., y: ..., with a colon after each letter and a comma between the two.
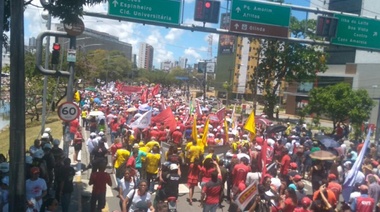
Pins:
x: 32, y: 42
x: 91, y: 40
x: 166, y: 65
x: 182, y: 62
x: 145, y: 59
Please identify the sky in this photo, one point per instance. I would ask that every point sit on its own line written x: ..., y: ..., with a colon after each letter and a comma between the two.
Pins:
x: 169, y: 44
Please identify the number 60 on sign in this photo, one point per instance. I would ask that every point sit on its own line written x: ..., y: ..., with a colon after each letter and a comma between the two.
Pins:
x: 68, y: 111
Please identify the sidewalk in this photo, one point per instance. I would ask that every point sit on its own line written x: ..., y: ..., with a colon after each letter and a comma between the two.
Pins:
x: 76, y: 200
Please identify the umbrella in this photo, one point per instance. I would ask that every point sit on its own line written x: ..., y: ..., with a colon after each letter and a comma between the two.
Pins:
x: 96, y: 113
x: 276, y: 129
x: 91, y: 89
x: 327, y: 141
x: 260, y: 119
x: 131, y: 109
x: 323, y: 155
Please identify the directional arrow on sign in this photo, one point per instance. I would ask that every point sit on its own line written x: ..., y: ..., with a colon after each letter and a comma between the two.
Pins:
x: 115, y: 3
x: 238, y: 9
x: 236, y: 26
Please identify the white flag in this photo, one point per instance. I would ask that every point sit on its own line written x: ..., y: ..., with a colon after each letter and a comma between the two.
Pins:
x: 143, y: 121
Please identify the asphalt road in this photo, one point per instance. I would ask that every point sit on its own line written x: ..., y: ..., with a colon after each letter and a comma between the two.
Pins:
x: 113, y: 202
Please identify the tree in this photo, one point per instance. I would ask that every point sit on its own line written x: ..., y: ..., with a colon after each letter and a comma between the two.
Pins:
x: 286, y: 62
x: 34, y: 87
x: 105, y: 65
x: 340, y: 103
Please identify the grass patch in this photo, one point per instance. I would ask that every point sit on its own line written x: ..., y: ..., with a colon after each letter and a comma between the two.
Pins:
x: 32, y: 132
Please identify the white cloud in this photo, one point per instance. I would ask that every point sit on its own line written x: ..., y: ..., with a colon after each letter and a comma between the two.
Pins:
x: 160, y: 52
x: 192, y: 53
x: 189, y: 1
x: 173, y: 34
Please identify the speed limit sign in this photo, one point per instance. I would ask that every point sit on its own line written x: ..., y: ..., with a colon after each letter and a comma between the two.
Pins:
x: 68, y: 111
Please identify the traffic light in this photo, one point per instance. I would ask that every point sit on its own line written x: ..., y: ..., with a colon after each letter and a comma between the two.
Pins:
x: 55, y: 54
x: 326, y: 26
x: 202, y: 67
x: 207, y: 11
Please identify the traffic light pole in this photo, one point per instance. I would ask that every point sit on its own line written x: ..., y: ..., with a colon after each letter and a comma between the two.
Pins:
x: 69, y: 98
x: 44, y: 93
x: 17, y: 109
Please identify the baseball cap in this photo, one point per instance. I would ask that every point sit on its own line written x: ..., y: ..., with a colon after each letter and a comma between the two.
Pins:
x: 101, y: 133
x: 332, y: 177
x: 56, y: 142
x: 48, y: 130
x: 258, y: 147
x: 34, y: 170
x: 293, y: 165
x: 297, y: 177
x: 45, y: 135
x: 173, y: 166
x: 178, y: 127
x: 306, y: 201
x: 47, y: 146
x: 136, y: 146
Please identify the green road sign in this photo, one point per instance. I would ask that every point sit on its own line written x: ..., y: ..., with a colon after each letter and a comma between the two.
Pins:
x: 162, y: 11
x: 262, y: 13
x: 357, y: 32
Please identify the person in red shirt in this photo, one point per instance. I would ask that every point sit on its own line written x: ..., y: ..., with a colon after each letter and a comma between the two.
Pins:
x: 99, y: 180
x: 193, y: 178
x: 306, y: 202
x: 360, y: 146
x: 334, y: 186
x: 285, y: 163
x: 211, y: 191
x: 363, y: 203
x: 177, y: 136
x: 73, y: 128
x: 114, y: 129
x: 154, y: 133
x: 239, y: 173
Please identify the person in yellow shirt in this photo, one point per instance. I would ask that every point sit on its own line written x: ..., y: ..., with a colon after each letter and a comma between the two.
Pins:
x: 121, y: 156
x: 84, y: 116
x: 211, y: 153
x: 194, y: 152
x: 153, y: 143
x: 143, y: 148
x: 288, y: 129
x: 152, y: 164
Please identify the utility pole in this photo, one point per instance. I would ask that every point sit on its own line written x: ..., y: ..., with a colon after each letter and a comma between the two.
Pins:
x: 17, y: 109
x: 44, y: 93
x: 69, y: 98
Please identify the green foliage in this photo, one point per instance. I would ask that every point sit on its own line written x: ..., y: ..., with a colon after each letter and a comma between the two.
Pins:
x: 340, y: 103
x: 69, y: 11
x: 34, y: 87
x: 286, y: 61
x: 104, y: 65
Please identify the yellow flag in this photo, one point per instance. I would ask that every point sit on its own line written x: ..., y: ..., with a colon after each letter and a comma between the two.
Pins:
x: 226, y: 130
x: 194, y: 133
x: 250, y: 124
x: 203, y: 142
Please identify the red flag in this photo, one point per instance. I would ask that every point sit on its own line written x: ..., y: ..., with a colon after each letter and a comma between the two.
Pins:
x: 198, y: 109
x: 166, y: 117
x: 156, y: 90
x: 264, y: 150
x: 221, y: 114
x: 144, y: 96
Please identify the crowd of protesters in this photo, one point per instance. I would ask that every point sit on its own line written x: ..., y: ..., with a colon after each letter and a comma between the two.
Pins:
x: 279, y: 163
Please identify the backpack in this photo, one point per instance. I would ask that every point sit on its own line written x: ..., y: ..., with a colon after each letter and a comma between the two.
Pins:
x: 121, y: 170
